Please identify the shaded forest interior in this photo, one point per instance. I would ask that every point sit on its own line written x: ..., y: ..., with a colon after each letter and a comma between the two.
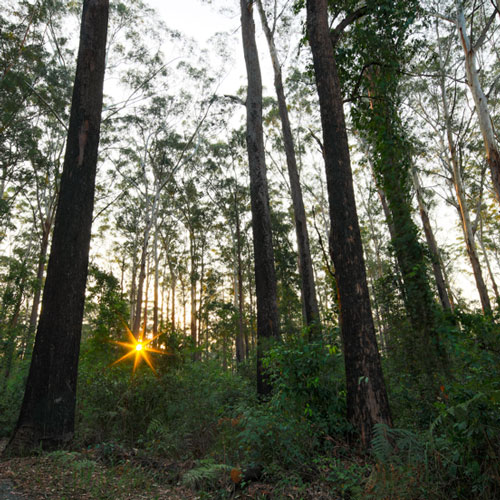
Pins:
x: 279, y: 283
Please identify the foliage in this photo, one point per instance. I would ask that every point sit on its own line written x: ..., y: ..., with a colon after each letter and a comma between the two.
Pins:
x: 206, y: 475
x: 175, y: 413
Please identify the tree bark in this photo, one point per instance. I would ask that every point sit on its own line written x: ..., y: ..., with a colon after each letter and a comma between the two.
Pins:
x: 308, y: 286
x: 265, y: 276
x: 480, y: 101
x: 367, y: 402
x: 48, y: 409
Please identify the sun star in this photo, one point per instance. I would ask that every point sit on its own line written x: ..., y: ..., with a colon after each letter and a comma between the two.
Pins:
x: 139, y: 347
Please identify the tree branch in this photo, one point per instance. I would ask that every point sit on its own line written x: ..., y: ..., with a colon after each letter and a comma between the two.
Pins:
x: 483, y: 34
x: 349, y: 19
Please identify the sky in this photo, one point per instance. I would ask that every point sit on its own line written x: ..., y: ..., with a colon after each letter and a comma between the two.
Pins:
x: 194, y: 18
x: 201, y: 20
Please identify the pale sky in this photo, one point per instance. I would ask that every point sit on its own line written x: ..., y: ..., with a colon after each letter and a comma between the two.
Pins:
x: 195, y: 18
x: 201, y: 20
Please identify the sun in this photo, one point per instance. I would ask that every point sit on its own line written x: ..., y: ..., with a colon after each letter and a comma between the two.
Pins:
x: 138, y: 347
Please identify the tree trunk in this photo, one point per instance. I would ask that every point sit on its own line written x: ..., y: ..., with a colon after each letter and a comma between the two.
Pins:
x: 367, y: 402
x: 308, y: 286
x: 265, y: 277
x: 480, y: 101
x: 463, y: 210
x: 44, y: 244
x: 48, y: 409
x: 192, y: 283
x: 150, y: 223
x: 156, y: 284
x: 487, y: 260
x: 241, y: 342
x: 437, y: 265
x: 10, y: 347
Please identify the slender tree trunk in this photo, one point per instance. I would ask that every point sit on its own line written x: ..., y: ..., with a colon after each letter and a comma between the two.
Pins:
x: 10, y: 347
x: 156, y: 283
x: 462, y: 206
x: 241, y: 343
x: 480, y: 101
x: 184, y: 301
x: 308, y: 286
x: 48, y: 410
x: 265, y: 276
x: 200, y: 295
x: 140, y: 288
x: 172, y: 312
x: 470, y: 244
x: 487, y: 260
x: 35, y: 306
x: 367, y: 402
x: 146, y: 301
x: 150, y: 223
x: 463, y: 210
x: 192, y: 283
x: 437, y: 266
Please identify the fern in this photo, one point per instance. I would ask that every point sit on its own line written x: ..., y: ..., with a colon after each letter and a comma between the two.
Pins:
x: 158, y: 429
x: 396, y: 445
x: 206, y: 475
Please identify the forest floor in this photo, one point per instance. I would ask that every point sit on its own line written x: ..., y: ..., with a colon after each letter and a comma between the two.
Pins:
x: 65, y: 475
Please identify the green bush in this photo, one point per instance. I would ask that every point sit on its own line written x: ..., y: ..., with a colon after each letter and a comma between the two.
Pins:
x: 176, y: 413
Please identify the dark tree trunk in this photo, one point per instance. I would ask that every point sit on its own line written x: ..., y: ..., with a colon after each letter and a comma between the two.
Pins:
x: 265, y: 276
x: 48, y: 409
x: 308, y: 286
x: 367, y: 402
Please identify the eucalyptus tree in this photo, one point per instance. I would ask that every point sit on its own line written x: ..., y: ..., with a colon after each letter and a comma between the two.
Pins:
x: 367, y: 402
x: 33, y: 75
x: 470, y: 48
x: 231, y: 196
x: 475, y: 27
x: 308, y: 287
x: 265, y: 275
x: 444, y: 108
x: 48, y: 410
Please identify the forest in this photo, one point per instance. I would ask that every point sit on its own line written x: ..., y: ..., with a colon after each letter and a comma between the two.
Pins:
x: 258, y: 266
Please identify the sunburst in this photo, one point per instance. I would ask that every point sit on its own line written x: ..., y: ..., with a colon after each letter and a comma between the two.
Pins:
x: 138, y: 347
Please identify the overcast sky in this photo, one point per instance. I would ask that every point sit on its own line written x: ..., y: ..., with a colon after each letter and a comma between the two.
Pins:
x: 200, y: 20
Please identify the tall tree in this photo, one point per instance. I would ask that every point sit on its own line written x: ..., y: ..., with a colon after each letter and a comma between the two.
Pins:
x: 308, y: 286
x: 480, y: 100
x: 367, y: 402
x: 48, y: 409
x: 380, y: 40
x: 265, y: 276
